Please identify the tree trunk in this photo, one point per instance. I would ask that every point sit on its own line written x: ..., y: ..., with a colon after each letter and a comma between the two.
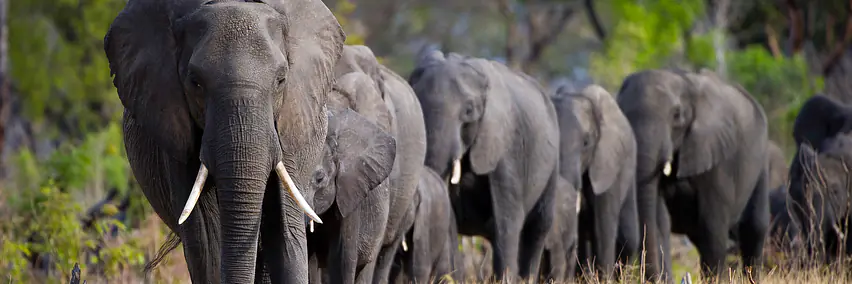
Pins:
x: 5, y: 95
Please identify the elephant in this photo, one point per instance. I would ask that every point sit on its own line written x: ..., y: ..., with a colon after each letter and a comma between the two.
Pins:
x: 492, y: 133
x: 602, y: 145
x: 432, y: 251
x: 819, y: 121
x: 701, y: 166
x: 218, y: 96
x: 559, y: 260
x: 825, y: 194
x: 408, y: 127
x: 349, y: 189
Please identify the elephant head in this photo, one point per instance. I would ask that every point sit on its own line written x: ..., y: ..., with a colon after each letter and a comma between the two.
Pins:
x: 360, y: 151
x: 466, y: 109
x: 680, y: 115
x: 607, y: 139
x: 359, y: 157
x: 237, y: 89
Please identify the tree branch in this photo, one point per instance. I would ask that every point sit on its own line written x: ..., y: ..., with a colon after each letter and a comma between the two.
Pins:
x: 512, y: 33
x: 797, y: 35
x: 594, y: 19
x: 840, y: 47
x: 772, y: 40
x: 544, y: 30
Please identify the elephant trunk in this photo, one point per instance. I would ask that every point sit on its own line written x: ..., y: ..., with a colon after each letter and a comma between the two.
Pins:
x: 653, y: 161
x: 243, y: 157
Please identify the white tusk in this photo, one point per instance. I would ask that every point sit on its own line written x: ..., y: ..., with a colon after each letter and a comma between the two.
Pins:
x: 667, y: 168
x: 404, y: 245
x: 294, y: 192
x: 194, y: 194
x: 579, y: 197
x: 456, y: 172
x: 312, y: 226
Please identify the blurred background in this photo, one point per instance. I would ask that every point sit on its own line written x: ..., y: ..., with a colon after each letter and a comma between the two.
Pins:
x: 66, y: 192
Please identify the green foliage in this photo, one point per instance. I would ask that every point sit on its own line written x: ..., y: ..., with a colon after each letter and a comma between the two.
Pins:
x: 45, y: 213
x: 58, y: 62
x: 645, y: 36
x: 342, y: 13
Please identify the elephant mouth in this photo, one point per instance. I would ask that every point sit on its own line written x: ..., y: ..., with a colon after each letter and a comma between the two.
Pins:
x: 283, y: 175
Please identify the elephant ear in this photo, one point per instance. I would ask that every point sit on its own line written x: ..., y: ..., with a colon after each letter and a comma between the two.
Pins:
x: 615, y: 143
x: 365, y: 156
x: 715, y: 129
x: 142, y: 53
x: 494, y: 135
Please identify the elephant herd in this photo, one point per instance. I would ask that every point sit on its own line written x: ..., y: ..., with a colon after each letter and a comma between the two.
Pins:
x: 278, y: 154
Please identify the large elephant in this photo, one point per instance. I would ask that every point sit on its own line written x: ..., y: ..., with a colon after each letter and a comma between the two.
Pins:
x: 493, y: 133
x: 433, y: 250
x: 701, y: 166
x: 608, y: 219
x: 218, y: 95
x: 410, y: 132
x: 349, y: 188
x: 827, y: 185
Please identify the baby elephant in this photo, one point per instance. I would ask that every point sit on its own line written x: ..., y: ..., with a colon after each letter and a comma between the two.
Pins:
x: 430, y: 249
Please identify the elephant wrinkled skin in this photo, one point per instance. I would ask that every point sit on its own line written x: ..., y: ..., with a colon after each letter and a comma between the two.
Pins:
x: 229, y: 91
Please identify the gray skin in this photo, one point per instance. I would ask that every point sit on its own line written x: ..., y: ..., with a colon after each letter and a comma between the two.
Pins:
x: 777, y: 165
x: 502, y: 128
x: 350, y: 187
x: 826, y: 183
x: 559, y: 261
x: 781, y: 231
x: 410, y: 132
x: 606, y: 150
x: 820, y: 119
x: 432, y: 249
x: 714, y: 134
x: 238, y: 87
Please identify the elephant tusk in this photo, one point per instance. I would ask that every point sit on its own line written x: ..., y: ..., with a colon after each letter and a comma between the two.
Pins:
x: 667, y: 168
x: 454, y: 179
x: 194, y: 194
x: 579, y: 198
x: 312, y: 226
x: 294, y: 192
x: 404, y: 245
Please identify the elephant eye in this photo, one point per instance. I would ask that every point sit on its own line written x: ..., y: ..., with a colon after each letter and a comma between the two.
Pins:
x: 281, y: 81
x: 319, y: 177
x: 677, y: 114
x: 468, y: 112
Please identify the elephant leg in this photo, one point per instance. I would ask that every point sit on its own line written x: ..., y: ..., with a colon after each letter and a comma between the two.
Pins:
x: 629, y: 241
x: 538, y: 225
x: 314, y: 275
x: 420, y: 246
x: 711, y: 240
x: 584, y: 256
x: 343, y: 255
x: 753, y: 227
x: 508, y: 212
x: 385, y: 262
x: 664, y: 233
x: 605, y: 215
x: 443, y: 265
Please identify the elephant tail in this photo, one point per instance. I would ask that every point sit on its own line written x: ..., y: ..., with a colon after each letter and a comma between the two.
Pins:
x: 171, y: 243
